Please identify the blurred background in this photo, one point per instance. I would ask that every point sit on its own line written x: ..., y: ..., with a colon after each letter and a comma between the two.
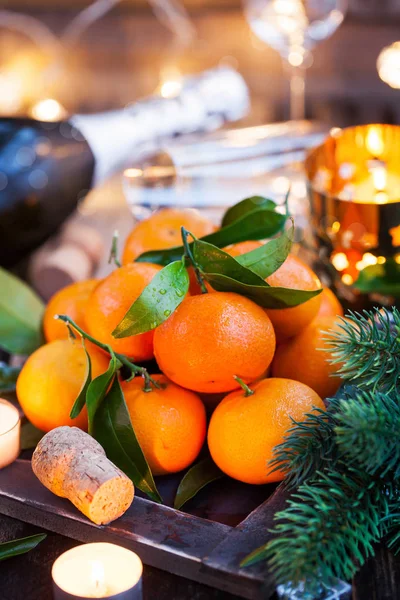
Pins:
x: 114, y: 52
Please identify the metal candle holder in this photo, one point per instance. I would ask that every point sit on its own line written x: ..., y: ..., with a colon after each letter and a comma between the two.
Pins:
x: 354, y: 188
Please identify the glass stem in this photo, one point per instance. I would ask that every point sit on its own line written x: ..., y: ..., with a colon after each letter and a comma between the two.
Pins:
x: 297, y: 77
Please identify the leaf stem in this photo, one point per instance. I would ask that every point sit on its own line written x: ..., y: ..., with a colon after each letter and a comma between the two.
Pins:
x: 247, y: 391
x: 134, y: 369
x: 189, y: 256
x: 114, y: 250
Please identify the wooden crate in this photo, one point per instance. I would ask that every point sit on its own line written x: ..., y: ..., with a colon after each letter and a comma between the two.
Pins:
x: 204, y: 550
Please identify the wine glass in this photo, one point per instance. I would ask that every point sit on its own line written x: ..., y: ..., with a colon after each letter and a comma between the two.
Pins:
x: 293, y: 28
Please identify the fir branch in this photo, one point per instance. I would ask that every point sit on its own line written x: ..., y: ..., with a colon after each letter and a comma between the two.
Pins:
x: 393, y: 533
x: 328, y: 528
x: 391, y: 522
x: 367, y: 349
x: 367, y: 431
x: 308, y: 446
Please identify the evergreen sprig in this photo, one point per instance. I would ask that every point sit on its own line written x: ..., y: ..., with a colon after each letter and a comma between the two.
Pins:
x: 345, y: 461
x: 308, y: 446
x: 366, y: 346
x: 331, y: 522
x: 367, y: 431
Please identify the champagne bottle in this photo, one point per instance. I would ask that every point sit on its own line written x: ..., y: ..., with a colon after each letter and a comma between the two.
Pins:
x: 47, y: 168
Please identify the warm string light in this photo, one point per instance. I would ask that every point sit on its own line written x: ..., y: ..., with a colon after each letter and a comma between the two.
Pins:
x: 13, y: 87
x: 388, y: 65
x: 48, y: 110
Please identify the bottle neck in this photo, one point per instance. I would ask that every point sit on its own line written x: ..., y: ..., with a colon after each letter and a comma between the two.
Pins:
x: 111, y: 140
x: 122, y: 137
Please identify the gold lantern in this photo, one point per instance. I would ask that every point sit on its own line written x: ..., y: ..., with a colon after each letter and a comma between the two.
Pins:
x: 354, y: 188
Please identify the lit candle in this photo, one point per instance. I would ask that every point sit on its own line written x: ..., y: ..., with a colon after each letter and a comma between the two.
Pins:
x: 382, y: 186
x: 9, y: 433
x: 97, y: 571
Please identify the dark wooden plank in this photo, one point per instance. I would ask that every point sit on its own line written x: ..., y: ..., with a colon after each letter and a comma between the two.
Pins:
x: 379, y: 578
x: 165, y: 538
x: 239, y: 542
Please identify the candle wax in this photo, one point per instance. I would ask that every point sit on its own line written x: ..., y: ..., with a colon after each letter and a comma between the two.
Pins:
x: 9, y: 433
x: 98, y: 570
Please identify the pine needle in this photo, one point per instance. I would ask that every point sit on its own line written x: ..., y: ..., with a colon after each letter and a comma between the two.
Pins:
x: 328, y: 529
x: 366, y: 346
x: 308, y: 447
x: 367, y: 431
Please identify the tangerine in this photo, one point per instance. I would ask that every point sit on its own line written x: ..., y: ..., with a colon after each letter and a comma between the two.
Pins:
x: 72, y: 301
x: 305, y: 358
x: 294, y: 274
x: 244, y: 430
x: 51, y: 380
x: 109, y: 303
x: 163, y: 230
x: 213, y: 337
x: 242, y: 247
x: 170, y: 423
x: 330, y: 305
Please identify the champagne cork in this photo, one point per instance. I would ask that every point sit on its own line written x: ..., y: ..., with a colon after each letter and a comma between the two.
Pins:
x: 70, y: 257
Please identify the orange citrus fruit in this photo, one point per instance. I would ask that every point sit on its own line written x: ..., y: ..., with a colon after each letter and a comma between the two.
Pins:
x: 213, y: 337
x: 330, y: 305
x: 244, y: 429
x: 163, y: 230
x: 242, y: 247
x: 294, y: 274
x: 109, y: 303
x: 72, y: 301
x: 305, y: 358
x: 170, y: 423
x: 51, y: 380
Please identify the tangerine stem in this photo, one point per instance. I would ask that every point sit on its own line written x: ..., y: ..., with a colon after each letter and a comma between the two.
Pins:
x: 247, y: 391
x: 114, y: 250
x: 189, y: 255
x: 135, y: 369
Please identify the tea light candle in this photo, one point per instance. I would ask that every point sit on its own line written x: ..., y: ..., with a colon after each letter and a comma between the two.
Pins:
x: 99, y: 570
x: 10, y: 425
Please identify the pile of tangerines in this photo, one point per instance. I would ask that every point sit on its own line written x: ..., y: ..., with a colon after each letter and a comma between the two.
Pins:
x: 257, y: 368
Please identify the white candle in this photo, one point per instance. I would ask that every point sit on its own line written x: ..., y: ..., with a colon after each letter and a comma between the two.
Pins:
x: 99, y: 570
x: 9, y: 433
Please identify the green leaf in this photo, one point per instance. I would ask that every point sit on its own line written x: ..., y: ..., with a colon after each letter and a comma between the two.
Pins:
x: 21, y: 312
x: 267, y: 297
x: 98, y: 389
x: 20, y: 546
x: 246, y: 206
x: 157, y: 302
x: 380, y: 279
x: 268, y: 258
x: 81, y: 399
x: 30, y: 436
x: 226, y: 274
x: 198, y: 476
x: 256, y: 225
x: 8, y: 377
x: 211, y: 259
x: 112, y: 428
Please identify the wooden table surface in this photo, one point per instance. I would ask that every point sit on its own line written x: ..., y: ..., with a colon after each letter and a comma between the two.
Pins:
x: 28, y: 577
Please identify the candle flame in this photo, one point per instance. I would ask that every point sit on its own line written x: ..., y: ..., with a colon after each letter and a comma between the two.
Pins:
x: 98, y: 579
x: 374, y: 142
x: 379, y: 177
